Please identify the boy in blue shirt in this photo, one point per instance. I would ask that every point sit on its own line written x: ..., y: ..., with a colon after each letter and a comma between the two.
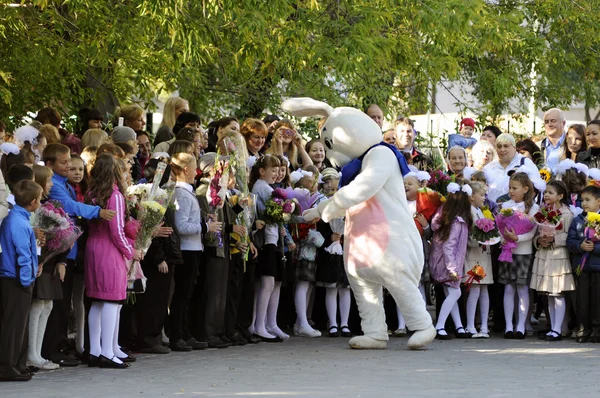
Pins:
x: 18, y: 270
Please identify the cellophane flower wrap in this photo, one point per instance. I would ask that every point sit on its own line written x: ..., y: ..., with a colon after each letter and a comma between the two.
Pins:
x: 548, y: 220
x: 147, y: 203
x: 216, y: 195
x: 439, y: 182
x: 238, y: 159
x: 519, y: 222
x: 60, y: 230
x: 590, y: 232
x: 279, y: 208
x: 428, y: 202
x: 484, y: 230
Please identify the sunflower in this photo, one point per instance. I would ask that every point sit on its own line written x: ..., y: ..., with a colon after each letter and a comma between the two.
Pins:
x: 545, y: 174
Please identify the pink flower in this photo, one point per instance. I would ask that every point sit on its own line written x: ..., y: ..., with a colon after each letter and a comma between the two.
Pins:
x: 485, y: 224
x: 279, y: 193
x: 287, y: 207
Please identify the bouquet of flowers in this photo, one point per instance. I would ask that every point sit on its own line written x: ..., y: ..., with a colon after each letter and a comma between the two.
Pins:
x: 216, y: 195
x: 439, y: 182
x: 245, y: 218
x: 548, y: 220
x: 148, y: 203
x: 60, y: 230
x: 517, y: 221
x: 428, y: 202
x: 592, y: 233
x: 485, y: 232
x: 475, y: 274
x: 545, y: 174
x: 279, y: 208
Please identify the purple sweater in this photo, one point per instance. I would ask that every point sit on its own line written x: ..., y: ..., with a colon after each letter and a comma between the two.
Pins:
x: 448, y: 256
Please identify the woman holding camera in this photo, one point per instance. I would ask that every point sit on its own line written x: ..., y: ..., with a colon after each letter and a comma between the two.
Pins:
x: 288, y: 142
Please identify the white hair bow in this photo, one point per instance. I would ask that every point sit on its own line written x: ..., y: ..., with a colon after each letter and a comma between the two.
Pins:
x: 454, y: 188
x: 9, y: 147
x: 297, y: 175
x: 594, y: 174
x: 26, y: 134
x: 251, y: 162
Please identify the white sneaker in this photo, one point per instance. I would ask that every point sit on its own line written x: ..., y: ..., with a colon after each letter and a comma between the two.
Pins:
x: 481, y: 335
x: 399, y: 332
x: 46, y: 365
x: 306, y: 332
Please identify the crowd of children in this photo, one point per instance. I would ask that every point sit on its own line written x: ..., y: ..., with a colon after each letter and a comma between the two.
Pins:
x: 211, y: 281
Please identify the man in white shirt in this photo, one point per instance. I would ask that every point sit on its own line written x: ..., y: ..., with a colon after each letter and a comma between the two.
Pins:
x: 551, y: 146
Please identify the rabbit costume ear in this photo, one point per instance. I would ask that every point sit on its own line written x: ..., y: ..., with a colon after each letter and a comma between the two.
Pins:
x: 301, y: 107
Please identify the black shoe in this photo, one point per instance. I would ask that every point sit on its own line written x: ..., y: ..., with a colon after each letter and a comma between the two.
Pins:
x: 237, y: 339
x: 110, y: 364
x: 346, y: 332
x: 196, y: 345
x: 442, y: 336
x: 93, y: 361
x: 65, y: 360
x: 253, y: 339
x: 180, y: 346
x: 216, y: 342
x: 462, y: 335
x: 334, y: 332
x: 269, y: 339
x: 552, y: 337
x: 13, y: 374
x: 510, y: 335
x: 27, y: 371
x: 542, y: 334
x: 129, y: 358
x: 519, y: 336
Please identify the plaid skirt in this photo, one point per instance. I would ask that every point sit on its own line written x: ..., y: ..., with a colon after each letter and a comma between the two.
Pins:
x: 519, y: 271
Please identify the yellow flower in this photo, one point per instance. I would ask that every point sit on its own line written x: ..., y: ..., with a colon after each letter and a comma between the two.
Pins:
x: 487, y: 213
x: 154, y: 206
x: 507, y: 212
x: 545, y: 174
x: 593, y: 217
x: 233, y: 200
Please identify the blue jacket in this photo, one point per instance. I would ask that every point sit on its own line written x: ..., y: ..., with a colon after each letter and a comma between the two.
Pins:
x: 575, y: 238
x: 19, y: 258
x: 62, y: 192
x: 460, y: 140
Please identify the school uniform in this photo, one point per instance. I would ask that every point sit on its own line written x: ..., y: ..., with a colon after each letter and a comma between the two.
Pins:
x: 18, y: 269
x: 588, y: 282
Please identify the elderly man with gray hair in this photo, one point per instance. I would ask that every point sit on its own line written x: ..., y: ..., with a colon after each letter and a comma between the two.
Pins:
x: 552, y: 146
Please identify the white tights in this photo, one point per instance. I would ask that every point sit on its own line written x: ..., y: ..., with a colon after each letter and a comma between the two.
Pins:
x: 38, y: 318
x: 478, y: 294
x: 449, y: 307
x: 301, y: 299
x: 267, y: 303
x: 331, y: 295
x: 103, y: 321
x: 509, y: 306
x: 557, y: 308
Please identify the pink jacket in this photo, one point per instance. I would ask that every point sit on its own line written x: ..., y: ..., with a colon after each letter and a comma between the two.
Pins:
x: 107, y: 254
x: 448, y: 256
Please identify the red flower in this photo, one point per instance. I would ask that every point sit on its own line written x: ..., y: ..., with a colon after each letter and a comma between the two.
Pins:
x: 559, y: 227
x: 552, y: 214
x: 539, y: 217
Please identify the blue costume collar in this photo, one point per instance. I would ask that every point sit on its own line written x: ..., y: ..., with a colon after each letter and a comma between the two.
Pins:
x: 352, y: 169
